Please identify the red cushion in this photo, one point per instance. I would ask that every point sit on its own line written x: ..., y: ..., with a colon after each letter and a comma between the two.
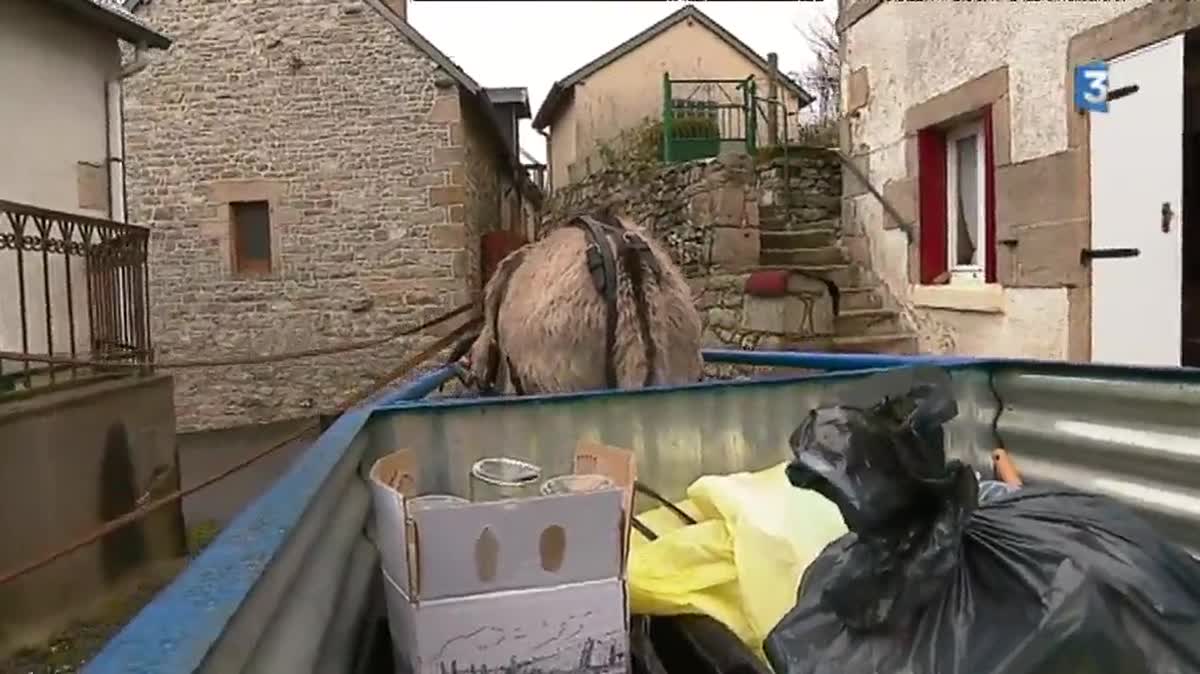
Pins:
x: 769, y: 283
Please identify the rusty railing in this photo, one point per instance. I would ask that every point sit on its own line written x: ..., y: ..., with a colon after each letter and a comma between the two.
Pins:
x: 71, y: 286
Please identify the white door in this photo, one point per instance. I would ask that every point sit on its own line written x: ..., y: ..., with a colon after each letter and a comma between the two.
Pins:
x: 1137, y: 167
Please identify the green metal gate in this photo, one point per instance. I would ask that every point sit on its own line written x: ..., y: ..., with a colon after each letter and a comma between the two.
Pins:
x: 701, y: 115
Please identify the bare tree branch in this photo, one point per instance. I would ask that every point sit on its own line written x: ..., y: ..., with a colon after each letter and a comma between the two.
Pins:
x: 823, y: 76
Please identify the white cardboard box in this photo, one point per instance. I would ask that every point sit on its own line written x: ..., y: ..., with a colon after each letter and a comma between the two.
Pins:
x: 532, y: 585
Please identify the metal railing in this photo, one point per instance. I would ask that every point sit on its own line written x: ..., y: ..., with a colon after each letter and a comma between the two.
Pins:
x: 700, y: 115
x: 888, y: 207
x: 71, y: 286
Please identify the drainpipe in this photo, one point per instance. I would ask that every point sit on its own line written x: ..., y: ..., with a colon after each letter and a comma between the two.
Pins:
x: 549, y: 179
x: 117, y: 203
x: 117, y: 193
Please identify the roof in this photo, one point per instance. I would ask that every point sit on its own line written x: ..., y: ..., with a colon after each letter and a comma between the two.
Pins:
x: 518, y: 96
x: 561, y: 90
x: 111, y: 15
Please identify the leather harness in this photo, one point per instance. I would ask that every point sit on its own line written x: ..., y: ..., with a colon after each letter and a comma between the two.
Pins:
x: 608, y: 240
x: 609, y: 248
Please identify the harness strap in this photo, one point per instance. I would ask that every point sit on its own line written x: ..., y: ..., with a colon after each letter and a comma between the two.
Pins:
x: 514, y: 378
x: 635, y: 255
x: 603, y: 266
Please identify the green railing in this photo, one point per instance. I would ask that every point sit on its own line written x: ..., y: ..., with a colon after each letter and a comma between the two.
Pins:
x: 699, y: 116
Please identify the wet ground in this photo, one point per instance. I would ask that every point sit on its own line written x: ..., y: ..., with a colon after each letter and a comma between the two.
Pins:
x: 205, y: 513
x: 69, y: 650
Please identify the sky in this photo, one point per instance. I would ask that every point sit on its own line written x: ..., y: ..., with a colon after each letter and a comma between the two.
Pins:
x: 531, y: 44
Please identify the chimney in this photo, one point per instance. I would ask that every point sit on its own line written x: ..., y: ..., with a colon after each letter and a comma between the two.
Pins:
x: 400, y: 7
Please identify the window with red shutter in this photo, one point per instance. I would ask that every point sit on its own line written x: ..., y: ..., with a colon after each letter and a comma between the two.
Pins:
x: 957, y: 202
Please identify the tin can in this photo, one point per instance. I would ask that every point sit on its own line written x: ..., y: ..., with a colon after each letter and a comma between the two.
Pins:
x: 499, y: 478
x: 435, y: 501
x: 575, y: 484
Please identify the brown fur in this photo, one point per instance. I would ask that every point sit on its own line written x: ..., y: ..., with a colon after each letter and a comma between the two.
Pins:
x: 551, y: 321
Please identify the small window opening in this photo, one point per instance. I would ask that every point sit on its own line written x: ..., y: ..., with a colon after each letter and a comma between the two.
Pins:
x: 251, y: 221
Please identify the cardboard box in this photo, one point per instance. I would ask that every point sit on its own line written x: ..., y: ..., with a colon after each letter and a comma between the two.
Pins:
x: 533, y: 585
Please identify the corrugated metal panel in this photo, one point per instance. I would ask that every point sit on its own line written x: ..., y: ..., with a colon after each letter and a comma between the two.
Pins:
x: 288, y: 585
x: 1135, y: 438
x: 272, y: 559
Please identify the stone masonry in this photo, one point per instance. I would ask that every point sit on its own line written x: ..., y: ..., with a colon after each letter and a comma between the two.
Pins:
x: 483, y: 191
x: 356, y: 139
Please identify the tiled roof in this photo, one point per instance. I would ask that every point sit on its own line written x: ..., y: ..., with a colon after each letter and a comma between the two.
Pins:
x: 112, y: 15
x: 560, y: 89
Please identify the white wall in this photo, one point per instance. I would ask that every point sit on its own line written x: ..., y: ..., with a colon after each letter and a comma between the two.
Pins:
x: 53, y: 70
x: 916, y: 51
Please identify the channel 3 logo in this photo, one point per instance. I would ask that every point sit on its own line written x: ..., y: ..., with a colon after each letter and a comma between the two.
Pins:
x: 1091, y: 87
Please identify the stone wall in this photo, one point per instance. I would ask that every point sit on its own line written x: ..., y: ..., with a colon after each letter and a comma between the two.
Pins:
x: 705, y: 212
x: 482, y: 181
x: 352, y: 135
x: 709, y: 213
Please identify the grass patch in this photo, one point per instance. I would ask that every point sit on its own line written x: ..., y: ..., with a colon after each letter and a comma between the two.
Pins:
x: 69, y: 650
x: 199, y: 535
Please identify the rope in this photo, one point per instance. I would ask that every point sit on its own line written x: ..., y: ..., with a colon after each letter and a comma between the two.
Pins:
x: 139, y: 513
x: 244, y: 359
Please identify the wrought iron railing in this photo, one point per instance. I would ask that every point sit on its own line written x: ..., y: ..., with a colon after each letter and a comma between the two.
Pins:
x: 700, y: 115
x: 72, y: 288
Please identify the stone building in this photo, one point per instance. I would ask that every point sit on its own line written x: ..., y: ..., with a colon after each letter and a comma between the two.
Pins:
x: 312, y: 173
x: 1034, y: 228
x: 623, y: 87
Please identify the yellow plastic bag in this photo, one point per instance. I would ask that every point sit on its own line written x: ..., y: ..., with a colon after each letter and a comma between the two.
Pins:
x: 742, y: 561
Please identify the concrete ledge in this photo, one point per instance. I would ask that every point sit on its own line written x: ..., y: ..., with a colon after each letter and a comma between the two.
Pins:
x: 70, y: 461
x: 982, y: 298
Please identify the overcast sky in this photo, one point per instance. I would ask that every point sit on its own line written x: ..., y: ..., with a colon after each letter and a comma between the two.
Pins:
x: 532, y: 44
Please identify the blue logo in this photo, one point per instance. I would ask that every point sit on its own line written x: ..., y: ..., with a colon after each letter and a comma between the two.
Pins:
x: 1091, y: 87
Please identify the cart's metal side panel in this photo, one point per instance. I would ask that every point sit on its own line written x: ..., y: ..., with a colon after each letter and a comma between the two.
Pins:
x: 1131, y: 435
x: 678, y: 434
x: 215, y: 614
x: 287, y: 586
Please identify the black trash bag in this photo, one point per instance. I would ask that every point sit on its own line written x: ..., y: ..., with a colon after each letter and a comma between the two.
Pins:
x: 930, y: 580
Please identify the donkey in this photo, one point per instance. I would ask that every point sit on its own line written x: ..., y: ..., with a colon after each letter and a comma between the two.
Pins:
x: 596, y: 303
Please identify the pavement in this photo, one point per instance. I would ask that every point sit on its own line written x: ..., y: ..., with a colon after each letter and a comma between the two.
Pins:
x: 204, y: 454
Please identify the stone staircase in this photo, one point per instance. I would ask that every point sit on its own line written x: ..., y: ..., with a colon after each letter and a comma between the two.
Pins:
x: 801, y: 230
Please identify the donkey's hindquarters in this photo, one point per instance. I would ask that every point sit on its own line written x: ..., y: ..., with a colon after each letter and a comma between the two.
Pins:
x: 592, y: 305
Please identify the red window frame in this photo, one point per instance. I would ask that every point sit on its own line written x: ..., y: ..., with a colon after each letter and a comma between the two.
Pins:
x: 933, y: 234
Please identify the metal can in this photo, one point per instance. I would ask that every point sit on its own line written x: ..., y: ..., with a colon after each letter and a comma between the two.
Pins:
x: 435, y: 501
x: 499, y: 478
x: 575, y: 484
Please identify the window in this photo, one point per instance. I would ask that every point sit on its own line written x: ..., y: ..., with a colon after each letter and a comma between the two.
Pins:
x: 251, y: 222
x: 957, y: 203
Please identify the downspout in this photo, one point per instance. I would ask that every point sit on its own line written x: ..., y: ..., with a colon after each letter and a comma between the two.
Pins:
x: 549, y: 180
x: 117, y: 193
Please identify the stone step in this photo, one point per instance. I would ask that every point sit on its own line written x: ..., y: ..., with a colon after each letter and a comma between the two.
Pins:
x: 780, y: 224
x: 897, y: 343
x: 844, y: 275
x: 805, y: 238
x: 863, y: 297
x: 861, y: 322
x: 798, y: 199
x: 822, y: 255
